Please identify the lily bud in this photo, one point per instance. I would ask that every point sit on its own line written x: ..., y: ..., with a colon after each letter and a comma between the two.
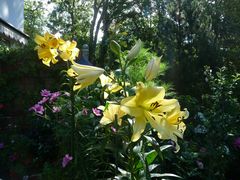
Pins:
x: 152, y: 69
x: 135, y: 50
x: 115, y: 47
x: 85, y: 75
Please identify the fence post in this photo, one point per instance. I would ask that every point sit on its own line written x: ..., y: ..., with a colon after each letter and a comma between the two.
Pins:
x: 85, y: 52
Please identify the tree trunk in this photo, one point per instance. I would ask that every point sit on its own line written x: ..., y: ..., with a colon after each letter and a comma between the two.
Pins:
x: 92, y: 45
x: 104, y: 43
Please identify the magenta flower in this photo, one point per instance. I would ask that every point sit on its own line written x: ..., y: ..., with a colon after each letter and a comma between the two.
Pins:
x: 44, y: 99
x: 96, y: 111
x: 45, y: 93
x: 236, y: 143
x: 113, y: 129
x: 37, y: 108
x: 56, y: 109
x: 1, y: 145
x: 54, y: 96
x: 85, y: 111
x: 66, y: 160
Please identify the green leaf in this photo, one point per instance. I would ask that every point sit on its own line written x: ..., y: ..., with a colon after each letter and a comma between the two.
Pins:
x: 151, y: 140
x: 152, y: 167
x: 149, y: 157
x: 115, y: 47
x: 164, y: 147
x: 144, y: 163
x: 164, y: 175
x: 137, y: 149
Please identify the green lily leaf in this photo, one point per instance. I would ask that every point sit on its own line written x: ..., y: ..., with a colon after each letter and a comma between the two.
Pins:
x: 152, y: 167
x: 154, y: 175
x: 164, y: 147
x: 149, y: 157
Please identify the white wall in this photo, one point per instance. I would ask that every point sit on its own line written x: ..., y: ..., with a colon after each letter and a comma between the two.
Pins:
x: 12, y: 11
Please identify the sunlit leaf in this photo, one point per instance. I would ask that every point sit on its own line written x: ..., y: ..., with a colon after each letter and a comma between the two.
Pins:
x: 164, y: 147
x: 154, y: 175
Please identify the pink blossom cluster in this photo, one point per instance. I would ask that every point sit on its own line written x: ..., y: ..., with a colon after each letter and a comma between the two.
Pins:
x: 66, y: 159
x: 47, y: 96
x: 97, y: 112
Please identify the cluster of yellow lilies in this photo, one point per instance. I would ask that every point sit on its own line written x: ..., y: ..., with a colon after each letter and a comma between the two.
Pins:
x: 50, y: 46
x: 146, y: 106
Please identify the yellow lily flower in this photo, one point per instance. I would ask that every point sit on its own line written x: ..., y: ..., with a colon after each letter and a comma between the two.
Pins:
x: 68, y: 50
x: 85, y: 75
x: 47, y: 48
x: 172, y: 125
x: 148, y: 105
x: 152, y: 69
x: 47, y: 55
x: 110, y: 86
x: 47, y: 40
x: 110, y: 113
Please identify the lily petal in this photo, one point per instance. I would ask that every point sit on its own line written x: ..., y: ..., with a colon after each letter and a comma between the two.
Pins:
x: 112, y: 112
x: 138, y: 128
x: 39, y: 39
x: 149, y: 95
x: 161, y: 106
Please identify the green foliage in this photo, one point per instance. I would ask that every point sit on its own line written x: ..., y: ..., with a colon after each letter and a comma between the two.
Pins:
x: 136, y: 70
x: 22, y: 77
x: 189, y: 35
x: 71, y: 19
x: 34, y: 19
x: 209, y: 151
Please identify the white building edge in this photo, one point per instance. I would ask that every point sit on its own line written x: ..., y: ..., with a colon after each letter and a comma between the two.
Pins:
x: 12, y: 21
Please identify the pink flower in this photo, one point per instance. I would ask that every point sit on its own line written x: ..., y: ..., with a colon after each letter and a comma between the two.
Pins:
x: 44, y: 99
x: 236, y: 143
x: 85, y: 111
x: 45, y: 93
x: 113, y: 129
x: 37, y: 108
x: 54, y: 96
x: 66, y: 160
x: 96, y: 111
x: 56, y: 109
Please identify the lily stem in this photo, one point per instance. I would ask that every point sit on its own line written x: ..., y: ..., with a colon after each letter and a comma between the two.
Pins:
x: 73, y: 124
